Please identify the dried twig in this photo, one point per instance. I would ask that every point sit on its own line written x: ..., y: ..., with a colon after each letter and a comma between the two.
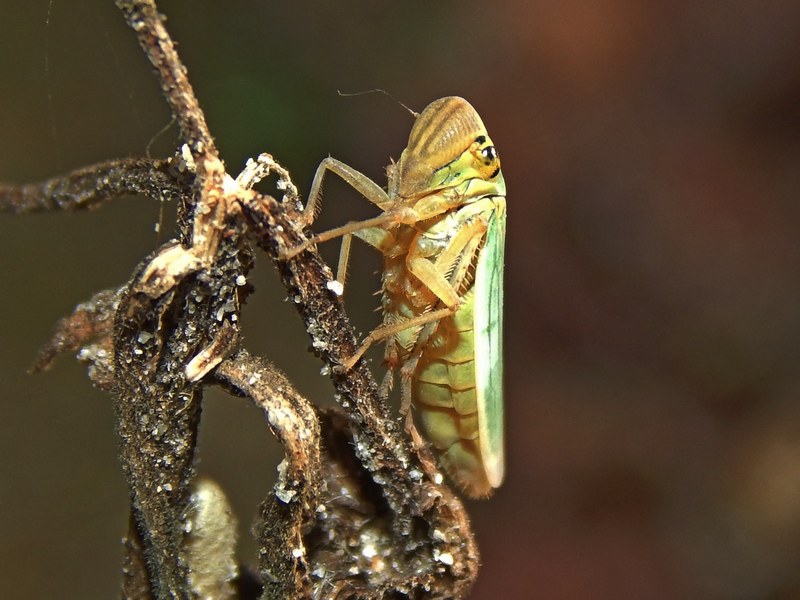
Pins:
x: 358, y: 511
x: 86, y: 189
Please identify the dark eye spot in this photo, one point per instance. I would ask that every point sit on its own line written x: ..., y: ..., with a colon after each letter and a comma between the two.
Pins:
x: 490, y: 154
x: 481, y: 139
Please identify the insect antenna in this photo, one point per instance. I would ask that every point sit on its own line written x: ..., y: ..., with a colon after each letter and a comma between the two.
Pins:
x: 377, y: 91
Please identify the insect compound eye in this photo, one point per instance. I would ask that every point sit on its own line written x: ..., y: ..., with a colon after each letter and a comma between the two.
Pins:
x: 485, y: 159
x: 488, y: 162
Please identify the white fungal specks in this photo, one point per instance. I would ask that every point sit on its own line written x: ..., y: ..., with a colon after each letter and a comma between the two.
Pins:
x: 443, y: 557
x: 336, y: 287
x: 285, y: 495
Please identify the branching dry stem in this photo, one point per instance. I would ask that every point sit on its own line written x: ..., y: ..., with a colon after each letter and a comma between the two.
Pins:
x: 351, y: 478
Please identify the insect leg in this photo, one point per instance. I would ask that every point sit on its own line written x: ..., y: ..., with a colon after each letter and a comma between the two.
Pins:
x: 344, y: 258
x: 364, y: 186
x: 356, y: 179
x: 378, y: 238
x: 464, y: 253
x: 445, y: 275
x: 384, y: 331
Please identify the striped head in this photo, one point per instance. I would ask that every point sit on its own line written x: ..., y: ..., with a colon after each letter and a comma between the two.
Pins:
x: 448, y: 146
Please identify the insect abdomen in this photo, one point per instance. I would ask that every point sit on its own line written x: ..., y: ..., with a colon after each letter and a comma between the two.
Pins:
x: 445, y: 396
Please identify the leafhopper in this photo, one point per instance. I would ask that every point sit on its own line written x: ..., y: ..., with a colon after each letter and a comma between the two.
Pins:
x: 441, y: 232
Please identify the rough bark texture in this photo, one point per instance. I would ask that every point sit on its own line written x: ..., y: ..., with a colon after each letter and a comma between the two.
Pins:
x: 358, y: 512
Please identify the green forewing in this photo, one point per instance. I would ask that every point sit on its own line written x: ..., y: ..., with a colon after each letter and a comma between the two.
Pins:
x: 488, y: 321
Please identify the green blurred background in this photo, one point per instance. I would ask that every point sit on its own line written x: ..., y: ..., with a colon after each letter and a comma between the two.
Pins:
x: 652, y: 156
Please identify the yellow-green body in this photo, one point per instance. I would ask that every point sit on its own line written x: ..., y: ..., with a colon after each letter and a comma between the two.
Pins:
x: 441, y: 232
x: 443, y: 384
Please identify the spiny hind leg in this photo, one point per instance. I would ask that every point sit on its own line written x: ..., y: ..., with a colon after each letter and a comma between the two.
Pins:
x: 391, y: 359
x: 445, y: 275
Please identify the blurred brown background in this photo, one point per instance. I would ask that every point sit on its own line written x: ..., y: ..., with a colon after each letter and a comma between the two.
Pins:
x: 652, y: 155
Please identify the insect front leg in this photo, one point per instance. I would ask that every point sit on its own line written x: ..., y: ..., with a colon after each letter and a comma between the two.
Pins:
x: 358, y: 181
